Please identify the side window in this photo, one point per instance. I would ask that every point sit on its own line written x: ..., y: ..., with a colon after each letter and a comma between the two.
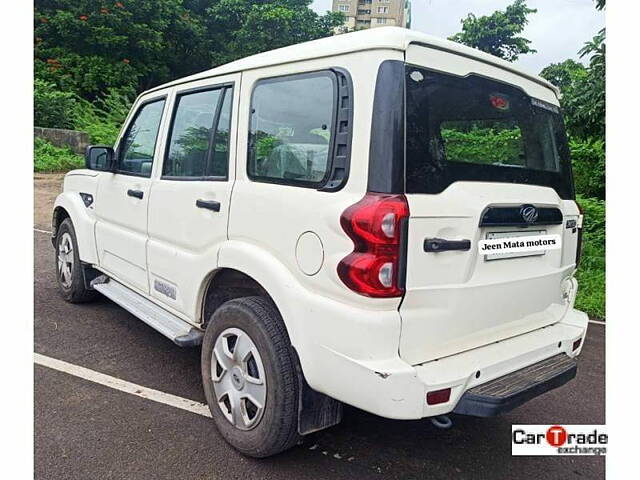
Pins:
x: 139, y: 142
x: 292, y: 125
x: 199, y: 140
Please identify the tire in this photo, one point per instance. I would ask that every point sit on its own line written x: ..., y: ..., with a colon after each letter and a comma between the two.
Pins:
x: 274, y: 428
x: 69, y: 275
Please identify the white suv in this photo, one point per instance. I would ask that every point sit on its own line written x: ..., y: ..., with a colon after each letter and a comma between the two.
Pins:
x: 381, y: 218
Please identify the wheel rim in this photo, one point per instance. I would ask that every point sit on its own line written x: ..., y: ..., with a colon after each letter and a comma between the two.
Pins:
x: 65, y: 260
x: 239, y: 382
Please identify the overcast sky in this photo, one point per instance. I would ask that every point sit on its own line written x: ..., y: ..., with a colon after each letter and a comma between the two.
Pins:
x: 557, y: 31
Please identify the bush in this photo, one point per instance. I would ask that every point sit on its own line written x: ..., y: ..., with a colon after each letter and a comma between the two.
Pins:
x: 588, y: 159
x: 103, y: 118
x: 591, y: 272
x: 48, y: 158
x: 52, y: 108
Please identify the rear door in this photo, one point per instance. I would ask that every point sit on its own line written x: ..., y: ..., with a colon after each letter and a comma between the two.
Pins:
x: 189, y: 204
x: 486, y: 160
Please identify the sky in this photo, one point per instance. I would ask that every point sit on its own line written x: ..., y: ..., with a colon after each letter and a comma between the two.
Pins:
x: 557, y: 31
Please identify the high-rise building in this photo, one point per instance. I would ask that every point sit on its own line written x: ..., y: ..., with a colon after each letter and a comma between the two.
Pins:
x: 361, y: 14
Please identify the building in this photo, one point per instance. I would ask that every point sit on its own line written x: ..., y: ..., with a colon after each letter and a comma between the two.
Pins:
x: 362, y: 14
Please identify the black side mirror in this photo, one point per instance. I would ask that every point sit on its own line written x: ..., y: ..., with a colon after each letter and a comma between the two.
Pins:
x: 99, y: 157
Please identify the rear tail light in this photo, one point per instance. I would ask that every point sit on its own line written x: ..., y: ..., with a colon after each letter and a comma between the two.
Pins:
x: 579, y: 244
x: 374, y: 226
x: 438, y: 396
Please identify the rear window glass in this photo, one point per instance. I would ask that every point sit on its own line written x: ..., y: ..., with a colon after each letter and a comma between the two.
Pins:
x: 476, y: 129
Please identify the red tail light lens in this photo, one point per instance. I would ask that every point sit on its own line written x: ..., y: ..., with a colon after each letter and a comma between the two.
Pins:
x: 374, y: 225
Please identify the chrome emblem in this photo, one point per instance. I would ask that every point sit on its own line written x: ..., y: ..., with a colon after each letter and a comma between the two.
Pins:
x: 529, y: 213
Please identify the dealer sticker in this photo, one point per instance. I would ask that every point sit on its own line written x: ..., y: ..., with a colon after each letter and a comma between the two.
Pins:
x: 520, y: 244
x: 559, y: 440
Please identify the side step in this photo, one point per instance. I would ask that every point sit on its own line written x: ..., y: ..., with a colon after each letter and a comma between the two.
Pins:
x: 510, y: 391
x: 172, y: 327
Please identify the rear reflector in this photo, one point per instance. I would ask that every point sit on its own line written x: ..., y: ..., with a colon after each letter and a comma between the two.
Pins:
x: 576, y: 344
x: 438, y: 396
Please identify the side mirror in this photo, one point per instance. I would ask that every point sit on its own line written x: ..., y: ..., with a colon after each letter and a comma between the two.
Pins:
x: 99, y: 157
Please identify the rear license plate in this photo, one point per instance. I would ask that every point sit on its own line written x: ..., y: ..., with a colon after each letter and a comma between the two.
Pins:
x: 526, y: 233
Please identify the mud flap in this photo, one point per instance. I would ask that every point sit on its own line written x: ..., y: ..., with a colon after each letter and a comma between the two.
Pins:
x: 316, y: 411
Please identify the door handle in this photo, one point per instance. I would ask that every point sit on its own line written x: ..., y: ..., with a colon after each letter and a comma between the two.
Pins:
x: 208, y: 204
x: 441, y: 245
x: 135, y: 193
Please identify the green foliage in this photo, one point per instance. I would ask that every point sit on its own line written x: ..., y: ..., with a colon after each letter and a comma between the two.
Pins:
x: 51, y: 107
x: 591, y: 272
x: 483, y: 145
x: 583, y: 90
x: 588, y: 160
x: 103, y: 118
x: 498, y: 33
x: 564, y: 75
x: 48, y: 158
x: 86, y: 46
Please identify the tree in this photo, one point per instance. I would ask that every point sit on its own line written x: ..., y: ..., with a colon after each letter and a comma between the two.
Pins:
x: 87, y: 46
x: 583, y: 90
x: 498, y: 33
x: 564, y: 75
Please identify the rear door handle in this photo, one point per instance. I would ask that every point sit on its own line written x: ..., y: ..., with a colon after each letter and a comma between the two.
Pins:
x: 441, y: 245
x: 135, y: 193
x: 208, y: 204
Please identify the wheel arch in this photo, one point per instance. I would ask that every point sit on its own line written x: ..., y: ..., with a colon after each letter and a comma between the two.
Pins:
x: 70, y: 205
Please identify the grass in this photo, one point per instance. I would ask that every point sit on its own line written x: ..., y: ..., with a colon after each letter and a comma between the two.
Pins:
x: 49, y: 158
x: 592, y: 270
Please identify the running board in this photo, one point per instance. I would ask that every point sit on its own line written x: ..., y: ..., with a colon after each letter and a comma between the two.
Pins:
x: 172, y: 327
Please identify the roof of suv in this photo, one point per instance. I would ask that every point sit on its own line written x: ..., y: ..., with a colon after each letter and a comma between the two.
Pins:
x: 393, y: 38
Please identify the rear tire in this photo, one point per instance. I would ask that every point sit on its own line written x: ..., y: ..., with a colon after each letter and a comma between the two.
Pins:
x: 259, y: 367
x: 69, y: 274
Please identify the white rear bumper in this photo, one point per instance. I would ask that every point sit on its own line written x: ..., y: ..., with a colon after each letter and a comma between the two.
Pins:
x: 394, y: 389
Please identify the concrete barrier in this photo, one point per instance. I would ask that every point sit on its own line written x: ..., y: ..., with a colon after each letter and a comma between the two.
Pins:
x: 60, y: 137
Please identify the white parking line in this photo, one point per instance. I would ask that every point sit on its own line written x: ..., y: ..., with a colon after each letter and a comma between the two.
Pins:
x: 122, y: 385
x: 597, y: 322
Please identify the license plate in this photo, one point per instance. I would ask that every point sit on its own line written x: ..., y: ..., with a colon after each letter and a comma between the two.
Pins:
x: 527, y: 233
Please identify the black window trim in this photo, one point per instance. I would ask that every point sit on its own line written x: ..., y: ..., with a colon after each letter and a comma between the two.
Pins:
x: 225, y: 87
x: 334, y: 74
x: 141, y: 105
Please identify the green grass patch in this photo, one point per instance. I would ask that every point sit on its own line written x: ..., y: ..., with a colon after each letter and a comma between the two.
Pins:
x: 49, y: 158
x: 591, y: 272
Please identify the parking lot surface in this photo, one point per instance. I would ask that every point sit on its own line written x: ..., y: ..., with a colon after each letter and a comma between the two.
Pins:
x: 87, y: 430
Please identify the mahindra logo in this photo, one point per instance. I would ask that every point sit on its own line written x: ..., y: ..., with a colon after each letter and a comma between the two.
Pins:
x: 529, y: 213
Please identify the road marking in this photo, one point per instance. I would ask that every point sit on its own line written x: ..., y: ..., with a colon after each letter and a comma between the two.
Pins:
x: 122, y: 385
x: 597, y: 322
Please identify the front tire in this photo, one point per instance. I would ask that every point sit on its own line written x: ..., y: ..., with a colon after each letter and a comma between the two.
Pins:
x: 69, y: 273
x: 250, y: 378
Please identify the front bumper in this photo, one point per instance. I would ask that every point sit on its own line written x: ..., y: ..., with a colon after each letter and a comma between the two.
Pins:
x: 392, y: 388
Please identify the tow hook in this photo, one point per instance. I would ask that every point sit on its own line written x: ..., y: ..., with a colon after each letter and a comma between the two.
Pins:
x: 442, y: 421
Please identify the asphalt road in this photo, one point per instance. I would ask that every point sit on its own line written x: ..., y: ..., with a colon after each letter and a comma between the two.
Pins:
x: 86, y: 430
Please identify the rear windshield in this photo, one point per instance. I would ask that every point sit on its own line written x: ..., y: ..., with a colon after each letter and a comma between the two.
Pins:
x: 475, y: 129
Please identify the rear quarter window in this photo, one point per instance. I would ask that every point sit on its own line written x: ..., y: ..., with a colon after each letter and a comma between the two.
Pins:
x: 292, y: 129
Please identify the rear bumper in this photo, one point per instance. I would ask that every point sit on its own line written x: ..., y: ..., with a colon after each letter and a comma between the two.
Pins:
x: 392, y: 388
